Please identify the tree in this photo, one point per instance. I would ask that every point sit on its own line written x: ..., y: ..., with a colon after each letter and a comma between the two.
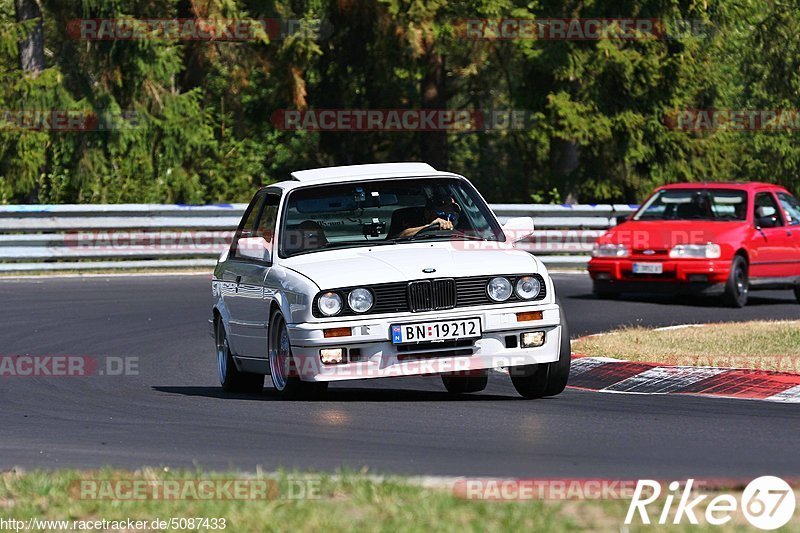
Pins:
x: 31, y: 47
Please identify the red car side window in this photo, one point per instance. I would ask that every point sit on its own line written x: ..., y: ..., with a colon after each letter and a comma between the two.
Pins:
x: 791, y: 208
x: 767, y: 213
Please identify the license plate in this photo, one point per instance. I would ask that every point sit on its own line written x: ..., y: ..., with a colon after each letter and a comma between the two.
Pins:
x: 436, y: 331
x: 648, y: 268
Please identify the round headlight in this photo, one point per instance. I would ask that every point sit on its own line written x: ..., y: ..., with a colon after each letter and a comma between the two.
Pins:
x: 528, y: 287
x: 330, y: 304
x: 360, y: 300
x: 499, y: 289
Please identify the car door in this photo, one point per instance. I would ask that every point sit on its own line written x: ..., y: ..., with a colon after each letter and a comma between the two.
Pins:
x: 791, y: 213
x: 232, y: 272
x: 771, y: 246
x: 249, y: 306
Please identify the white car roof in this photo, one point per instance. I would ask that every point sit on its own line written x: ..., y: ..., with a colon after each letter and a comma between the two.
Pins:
x: 317, y: 176
x: 359, y: 172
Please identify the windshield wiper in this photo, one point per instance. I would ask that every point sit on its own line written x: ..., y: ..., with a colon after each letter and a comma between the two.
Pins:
x: 344, y: 244
x: 424, y: 236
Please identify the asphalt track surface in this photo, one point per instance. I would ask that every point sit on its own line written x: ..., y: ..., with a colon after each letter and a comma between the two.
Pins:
x: 173, y: 412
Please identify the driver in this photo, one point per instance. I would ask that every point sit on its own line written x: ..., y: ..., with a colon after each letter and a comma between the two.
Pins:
x: 441, y: 210
x: 306, y: 236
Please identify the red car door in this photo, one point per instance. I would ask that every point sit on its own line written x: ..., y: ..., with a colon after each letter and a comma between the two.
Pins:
x: 791, y: 214
x: 772, y: 247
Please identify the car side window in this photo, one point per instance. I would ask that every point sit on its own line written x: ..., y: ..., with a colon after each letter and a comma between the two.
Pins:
x: 265, y: 227
x: 791, y: 208
x: 248, y: 224
x: 767, y: 213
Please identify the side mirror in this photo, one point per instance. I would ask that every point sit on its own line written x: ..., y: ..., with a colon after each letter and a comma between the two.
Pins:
x: 253, y: 248
x: 518, y: 228
x: 621, y: 219
x: 767, y: 222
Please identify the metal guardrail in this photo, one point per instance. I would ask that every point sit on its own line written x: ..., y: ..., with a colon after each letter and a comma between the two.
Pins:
x: 142, y: 236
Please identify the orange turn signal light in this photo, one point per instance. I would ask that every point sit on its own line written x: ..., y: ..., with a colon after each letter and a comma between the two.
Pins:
x: 529, y: 315
x: 336, y: 332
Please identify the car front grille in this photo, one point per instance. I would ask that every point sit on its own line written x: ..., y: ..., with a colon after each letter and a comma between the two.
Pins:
x: 430, y: 295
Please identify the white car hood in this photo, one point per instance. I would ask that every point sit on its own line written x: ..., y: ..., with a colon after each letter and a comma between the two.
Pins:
x: 390, y: 263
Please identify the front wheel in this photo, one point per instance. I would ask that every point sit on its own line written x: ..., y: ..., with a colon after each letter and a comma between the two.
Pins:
x: 231, y: 379
x: 546, y: 379
x: 738, y: 285
x: 282, y: 367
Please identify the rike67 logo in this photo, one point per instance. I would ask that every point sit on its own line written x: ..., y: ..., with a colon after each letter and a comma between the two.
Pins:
x: 767, y: 503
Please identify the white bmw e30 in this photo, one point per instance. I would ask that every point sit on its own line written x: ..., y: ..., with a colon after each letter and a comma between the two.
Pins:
x: 383, y: 270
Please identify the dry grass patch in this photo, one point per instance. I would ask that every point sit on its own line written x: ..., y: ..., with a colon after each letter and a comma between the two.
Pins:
x: 757, y: 345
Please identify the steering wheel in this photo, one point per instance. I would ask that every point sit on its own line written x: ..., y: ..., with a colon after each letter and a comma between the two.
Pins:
x: 432, y: 226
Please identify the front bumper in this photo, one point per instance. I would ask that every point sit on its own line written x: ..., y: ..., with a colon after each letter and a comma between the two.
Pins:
x: 703, y: 271
x: 371, y: 353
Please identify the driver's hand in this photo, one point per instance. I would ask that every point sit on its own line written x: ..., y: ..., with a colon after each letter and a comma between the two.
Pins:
x: 443, y: 224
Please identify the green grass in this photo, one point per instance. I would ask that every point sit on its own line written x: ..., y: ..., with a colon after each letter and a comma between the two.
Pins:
x: 344, y: 502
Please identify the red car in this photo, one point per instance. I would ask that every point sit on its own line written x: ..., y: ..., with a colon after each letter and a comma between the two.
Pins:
x: 708, y: 238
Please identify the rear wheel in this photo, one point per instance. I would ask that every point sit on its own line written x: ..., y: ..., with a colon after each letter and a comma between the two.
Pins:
x: 546, y: 379
x: 463, y: 384
x: 282, y: 367
x: 231, y: 379
x: 738, y: 285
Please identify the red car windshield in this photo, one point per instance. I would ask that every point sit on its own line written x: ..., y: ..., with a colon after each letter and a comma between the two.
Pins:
x: 695, y: 204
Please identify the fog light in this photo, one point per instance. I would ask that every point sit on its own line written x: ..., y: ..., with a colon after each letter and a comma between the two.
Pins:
x: 530, y: 315
x: 532, y: 339
x: 331, y: 356
x: 698, y: 278
x: 336, y: 332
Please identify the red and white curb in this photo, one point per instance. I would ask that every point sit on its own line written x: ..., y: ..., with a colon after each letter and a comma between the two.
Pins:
x: 617, y: 376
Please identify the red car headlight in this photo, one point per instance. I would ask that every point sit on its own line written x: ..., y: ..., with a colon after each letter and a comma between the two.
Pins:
x: 610, y: 250
x: 696, y: 251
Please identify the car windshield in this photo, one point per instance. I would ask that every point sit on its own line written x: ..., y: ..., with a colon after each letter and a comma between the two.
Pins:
x: 384, y: 212
x: 695, y: 204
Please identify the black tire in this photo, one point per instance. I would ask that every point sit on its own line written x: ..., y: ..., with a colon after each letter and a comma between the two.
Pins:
x: 231, y: 379
x: 737, y: 287
x: 465, y: 384
x: 797, y: 292
x: 604, y: 291
x: 547, y: 379
x: 285, y: 380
